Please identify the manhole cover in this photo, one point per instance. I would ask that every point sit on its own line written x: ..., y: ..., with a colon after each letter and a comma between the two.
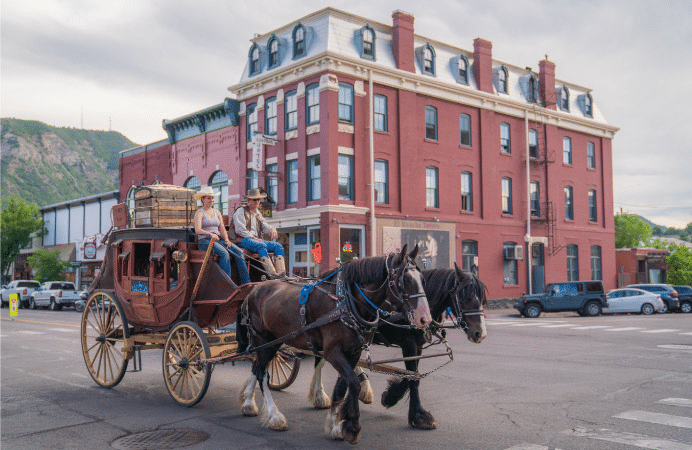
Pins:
x: 149, y: 440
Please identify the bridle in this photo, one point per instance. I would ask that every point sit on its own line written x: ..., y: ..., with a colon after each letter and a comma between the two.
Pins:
x: 461, y: 313
x: 395, y: 286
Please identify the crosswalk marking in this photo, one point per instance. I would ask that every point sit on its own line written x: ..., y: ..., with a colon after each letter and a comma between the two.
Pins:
x: 531, y: 447
x: 591, y: 327
x: 635, y: 440
x: 662, y: 330
x: 677, y: 402
x: 662, y: 419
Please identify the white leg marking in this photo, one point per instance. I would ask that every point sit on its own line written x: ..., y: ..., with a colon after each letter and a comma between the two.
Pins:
x: 333, y: 425
x: 316, y: 395
x: 246, y: 396
x: 271, y: 416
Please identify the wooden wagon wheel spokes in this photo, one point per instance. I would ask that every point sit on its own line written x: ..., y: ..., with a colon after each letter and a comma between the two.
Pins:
x: 184, y: 371
x: 104, y: 332
x: 283, y: 370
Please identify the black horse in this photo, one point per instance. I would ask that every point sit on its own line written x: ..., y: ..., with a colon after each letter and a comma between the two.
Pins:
x: 335, y: 323
x: 460, y: 291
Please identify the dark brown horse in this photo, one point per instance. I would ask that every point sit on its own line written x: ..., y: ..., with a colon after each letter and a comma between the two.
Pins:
x: 342, y: 317
x: 461, y: 292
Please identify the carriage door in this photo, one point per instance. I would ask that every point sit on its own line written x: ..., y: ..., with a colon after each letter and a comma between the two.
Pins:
x: 537, y: 268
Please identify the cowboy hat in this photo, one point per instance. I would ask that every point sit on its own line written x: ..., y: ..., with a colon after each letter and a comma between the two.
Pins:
x: 254, y: 194
x: 206, y: 191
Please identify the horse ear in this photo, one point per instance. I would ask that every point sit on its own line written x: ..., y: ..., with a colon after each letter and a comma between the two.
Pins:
x: 458, y: 270
x: 414, y: 252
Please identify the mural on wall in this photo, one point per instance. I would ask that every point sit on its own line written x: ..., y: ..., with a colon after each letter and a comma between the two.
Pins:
x: 436, y: 249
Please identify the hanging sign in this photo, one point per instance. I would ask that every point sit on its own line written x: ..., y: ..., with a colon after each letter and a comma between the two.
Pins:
x: 317, y: 252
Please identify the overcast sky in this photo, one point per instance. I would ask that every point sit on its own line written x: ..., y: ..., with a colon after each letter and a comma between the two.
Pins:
x: 127, y: 65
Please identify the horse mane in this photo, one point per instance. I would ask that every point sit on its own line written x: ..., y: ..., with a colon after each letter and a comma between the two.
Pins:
x: 364, y: 271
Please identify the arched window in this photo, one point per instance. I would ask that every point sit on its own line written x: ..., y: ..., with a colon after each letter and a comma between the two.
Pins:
x: 588, y: 105
x: 367, y: 35
x: 564, y: 98
x: 254, y: 56
x: 502, y: 78
x: 429, y: 60
x: 193, y: 183
x: 219, y: 183
x: 463, y: 67
x: 298, y: 41
x: 532, y: 92
x: 273, y: 50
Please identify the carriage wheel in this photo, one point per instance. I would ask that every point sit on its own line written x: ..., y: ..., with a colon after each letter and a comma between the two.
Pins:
x: 186, y: 375
x: 104, y: 332
x: 283, y: 370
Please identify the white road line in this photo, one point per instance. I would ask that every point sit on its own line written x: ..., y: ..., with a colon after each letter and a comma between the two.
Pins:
x: 531, y: 447
x: 679, y: 347
x: 625, y: 329
x: 30, y: 332
x: 663, y: 419
x: 662, y: 330
x: 677, y: 402
x: 524, y: 324
x: 560, y: 325
x: 686, y: 334
x: 592, y: 327
x: 635, y: 440
x: 64, y: 330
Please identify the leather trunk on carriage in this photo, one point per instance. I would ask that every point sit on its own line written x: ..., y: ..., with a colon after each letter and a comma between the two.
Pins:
x: 163, y: 205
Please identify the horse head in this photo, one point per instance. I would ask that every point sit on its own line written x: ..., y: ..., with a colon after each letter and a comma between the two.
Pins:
x: 406, y: 287
x: 469, y: 300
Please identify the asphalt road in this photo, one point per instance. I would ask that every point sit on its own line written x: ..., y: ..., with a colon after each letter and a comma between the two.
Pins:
x: 556, y: 382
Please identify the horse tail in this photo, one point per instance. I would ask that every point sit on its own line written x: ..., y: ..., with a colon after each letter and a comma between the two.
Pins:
x: 241, y: 331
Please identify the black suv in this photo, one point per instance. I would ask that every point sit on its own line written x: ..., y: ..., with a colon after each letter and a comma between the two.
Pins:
x: 585, y: 297
x: 668, y: 294
x: 685, y: 298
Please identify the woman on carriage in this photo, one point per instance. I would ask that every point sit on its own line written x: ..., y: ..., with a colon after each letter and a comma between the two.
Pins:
x: 210, y: 228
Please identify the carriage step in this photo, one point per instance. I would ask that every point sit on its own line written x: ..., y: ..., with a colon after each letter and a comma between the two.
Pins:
x: 136, y: 359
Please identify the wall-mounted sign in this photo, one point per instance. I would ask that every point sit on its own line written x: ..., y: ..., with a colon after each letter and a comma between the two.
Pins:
x: 89, y: 250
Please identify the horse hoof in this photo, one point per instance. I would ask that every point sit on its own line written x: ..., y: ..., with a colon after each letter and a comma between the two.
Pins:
x: 423, y: 421
x: 278, y: 423
x: 249, y: 409
x: 320, y: 401
x: 333, y: 427
x: 366, y: 395
x: 352, y: 436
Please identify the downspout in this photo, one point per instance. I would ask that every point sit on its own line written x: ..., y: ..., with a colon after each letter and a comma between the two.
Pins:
x: 527, y: 238
x: 373, y: 230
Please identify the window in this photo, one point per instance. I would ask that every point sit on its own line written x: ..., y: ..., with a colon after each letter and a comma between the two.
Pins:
x: 431, y: 123
x: 380, y: 112
x: 465, y: 129
x: 532, y: 93
x: 273, y: 50
x: 463, y: 67
x: 588, y: 105
x: 429, y: 60
x: 469, y: 253
x: 593, y: 210
x: 569, y: 208
x: 505, y: 139
x: 270, y: 116
x: 346, y: 177
x: 251, y: 121
x: 572, y: 263
x: 193, y: 183
x: 345, y: 102
x: 466, y: 191
x: 596, y: 273
x: 252, y: 179
x: 254, y: 59
x: 510, y: 265
x: 431, y: 188
x: 298, y: 41
x: 590, y: 155
x: 312, y: 104
x: 381, y: 181
x: 535, y: 199
x: 314, y: 176
x: 368, y: 38
x: 502, y: 80
x: 506, y: 195
x: 219, y: 183
x: 567, y: 151
x: 291, y: 111
x: 272, y: 182
x: 292, y: 181
x: 533, y: 143
x: 564, y: 98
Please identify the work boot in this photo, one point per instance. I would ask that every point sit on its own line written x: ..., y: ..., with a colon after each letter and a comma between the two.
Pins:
x: 269, y: 268
x: 280, y: 265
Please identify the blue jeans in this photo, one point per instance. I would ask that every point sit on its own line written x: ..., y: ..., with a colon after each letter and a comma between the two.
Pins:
x: 224, y: 260
x: 262, y: 247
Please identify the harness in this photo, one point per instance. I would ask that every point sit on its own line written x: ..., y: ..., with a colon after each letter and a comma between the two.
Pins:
x: 460, y: 313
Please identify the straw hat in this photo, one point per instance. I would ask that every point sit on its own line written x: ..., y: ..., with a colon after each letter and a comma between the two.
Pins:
x: 206, y: 191
x: 254, y: 194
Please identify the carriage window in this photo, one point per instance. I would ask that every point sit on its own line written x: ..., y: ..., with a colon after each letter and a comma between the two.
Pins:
x: 141, y: 259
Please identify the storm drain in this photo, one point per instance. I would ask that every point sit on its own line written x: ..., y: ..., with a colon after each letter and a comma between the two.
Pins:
x: 150, y: 440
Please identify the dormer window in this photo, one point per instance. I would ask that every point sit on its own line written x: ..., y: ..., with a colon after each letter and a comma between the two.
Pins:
x: 273, y: 50
x: 368, y: 40
x: 298, y: 41
x: 588, y: 105
x: 532, y: 93
x: 564, y: 98
x: 429, y: 60
x: 463, y: 67
x: 502, y: 78
x: 254, y: 59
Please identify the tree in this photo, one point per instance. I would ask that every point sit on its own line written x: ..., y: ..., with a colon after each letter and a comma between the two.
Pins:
x: 630, y: 230
x: 680, y: 261
x: 48, y: 265
x: 18, y: 220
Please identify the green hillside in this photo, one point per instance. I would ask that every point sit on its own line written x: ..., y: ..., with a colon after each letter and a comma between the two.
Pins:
x: 46, y: 164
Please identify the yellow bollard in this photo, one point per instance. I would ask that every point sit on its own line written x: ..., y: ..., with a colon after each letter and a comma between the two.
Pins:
x: 14, y: 305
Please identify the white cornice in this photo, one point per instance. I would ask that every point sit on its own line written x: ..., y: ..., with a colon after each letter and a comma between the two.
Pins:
x: 310, y: 215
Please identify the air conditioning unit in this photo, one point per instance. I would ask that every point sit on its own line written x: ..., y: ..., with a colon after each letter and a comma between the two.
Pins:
x: 516, y: 252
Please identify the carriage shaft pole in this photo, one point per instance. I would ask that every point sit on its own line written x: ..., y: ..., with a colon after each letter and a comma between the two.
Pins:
x: 408, y: 358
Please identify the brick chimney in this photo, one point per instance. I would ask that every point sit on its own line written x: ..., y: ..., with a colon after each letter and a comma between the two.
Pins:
x: 546, y: 81
x: 483, y: 64
x: 402, y: 41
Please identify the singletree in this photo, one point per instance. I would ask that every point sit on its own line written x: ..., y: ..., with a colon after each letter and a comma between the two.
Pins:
x: 48, y: 265
x: 630, y: 230
x: 18, y: 220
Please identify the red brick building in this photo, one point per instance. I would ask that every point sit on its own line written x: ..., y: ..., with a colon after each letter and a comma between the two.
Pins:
x: 382, y: 137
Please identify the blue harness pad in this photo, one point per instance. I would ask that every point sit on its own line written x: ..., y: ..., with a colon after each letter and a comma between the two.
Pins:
x: 305, y: 290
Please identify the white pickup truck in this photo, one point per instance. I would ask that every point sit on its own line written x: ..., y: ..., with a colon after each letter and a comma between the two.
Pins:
x: 54, y: 295
x: 22, y: 287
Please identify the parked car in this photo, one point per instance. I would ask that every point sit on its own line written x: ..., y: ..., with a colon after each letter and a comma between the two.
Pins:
x: 631, y: 300
x: 685, y: 298
x: 668, y: 294
x: 585, y: 297
x: 22, y: 287
x: 54, y: 295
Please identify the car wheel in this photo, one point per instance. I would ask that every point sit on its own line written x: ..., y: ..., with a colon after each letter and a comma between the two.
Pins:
x: 79, y: 306
x: 32, y: 304
x: 647, y: 309
x: 53, y: 306
x: 686, y: 307
x: 592, y: 309
x: 532, y: 310
x: 664, y: 309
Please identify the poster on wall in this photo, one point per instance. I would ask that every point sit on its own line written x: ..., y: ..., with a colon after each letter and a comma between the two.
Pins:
x: 433, y: 245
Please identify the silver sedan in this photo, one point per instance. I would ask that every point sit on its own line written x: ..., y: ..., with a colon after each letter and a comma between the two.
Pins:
x: 632, y: 300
